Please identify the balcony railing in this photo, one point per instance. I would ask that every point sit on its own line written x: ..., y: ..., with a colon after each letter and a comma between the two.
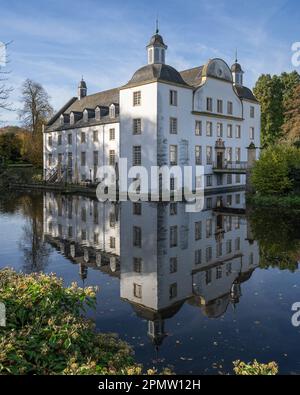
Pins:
x: 231, y: 166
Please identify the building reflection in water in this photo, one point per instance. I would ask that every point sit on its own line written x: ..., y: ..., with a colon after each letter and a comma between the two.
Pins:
x: 162, y: 255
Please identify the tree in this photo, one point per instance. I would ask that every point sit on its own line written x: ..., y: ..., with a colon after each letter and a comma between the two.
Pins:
x: 273, y: 173
x: 291, y: 127
x: 274, y: 93
x: 36, y: 107
x: 268, y: 91
x: 10, y: 147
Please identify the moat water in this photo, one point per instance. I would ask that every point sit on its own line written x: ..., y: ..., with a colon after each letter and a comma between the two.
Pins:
x: 193, y: 291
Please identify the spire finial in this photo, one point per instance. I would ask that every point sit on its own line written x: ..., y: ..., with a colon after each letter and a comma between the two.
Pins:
x: 236, y: 55
x: 157, y: 28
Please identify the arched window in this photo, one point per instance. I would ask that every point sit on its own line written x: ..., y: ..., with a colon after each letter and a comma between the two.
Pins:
x: 162, y: 56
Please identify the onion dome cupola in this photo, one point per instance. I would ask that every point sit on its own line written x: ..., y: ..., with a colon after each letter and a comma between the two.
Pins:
x: 156, y: 48
x: 237, y: 73
x: 82, y: 89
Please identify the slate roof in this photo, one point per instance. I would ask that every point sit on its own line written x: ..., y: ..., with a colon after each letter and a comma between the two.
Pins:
x: 245, y: 93
x: 192, y: 76
x: 156, y: 72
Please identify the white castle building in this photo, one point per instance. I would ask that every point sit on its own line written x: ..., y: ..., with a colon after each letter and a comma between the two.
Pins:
x: 201, y: 116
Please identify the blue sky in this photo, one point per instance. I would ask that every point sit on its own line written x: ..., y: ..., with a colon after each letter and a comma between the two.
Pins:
x: 55, y: 42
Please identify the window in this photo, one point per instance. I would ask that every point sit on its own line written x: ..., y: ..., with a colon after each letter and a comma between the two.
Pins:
x: 229, y: 221
x: 251, y: 133
x: 83, y: 234
x: 198, y: 128
x: 173, y: 236
x: 198, y: 257
x: 209, y: 203
x: 137, y: 291
x: 83, y: 137
x: 173, y: 265
x: 112, y: 134
x: 229, y: 131
x: 198, y: 154
x: 50, y: 141
x: 228, y: 267
x: 173, y: 155
x: 95, y: 136
x: 229, y: 108
x: 112, y: 111
x: 208, y: 181
x: 238, y: 178
x: 59, y: 139
x: 173, y: 208
x: 219, y: 179
x: 228, y: 247
x: 238, y: 154
x: 173, y: 125
x: 218, y: 272
x: 238, y: 131
x: 209, y: 104
x: 220, y: 106
x: 137, y: 126
x: 137, y: 236
x: 137, y: 208
x: 252, y: 111
x: 209, y: 129
x: 172, y: 184
x: 209, y: 152
x: 229, y: 178
x: 173, y: 291
x: 198, y: 232
x: 95, y: 158
x: 229, y: 200
x: 208, y: 254
x: 112, y: 220
x: 208, y: 276
x: 173, y: 98
x: 209, y: 226
x: 229, y: 154
x: 50, y: 159
x: 137, y: 98
x: 70, y: 138
x: 219, y: 249
x: 137, y: 265
x: 112, y: 157
x: 136, y: 155
x: 70, y: 231
x: 238, y: 198
x: 83, y: 214
x: 83, y: 159
x: 219, y: 129
x: 60, y: 156
x: 237, y: 243
x: 96, y: 238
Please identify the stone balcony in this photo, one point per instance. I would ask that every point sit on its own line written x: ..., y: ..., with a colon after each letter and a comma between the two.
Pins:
x: 229, y: 167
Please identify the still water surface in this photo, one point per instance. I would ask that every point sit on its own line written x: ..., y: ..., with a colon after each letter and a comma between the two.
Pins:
x: 194, y: 291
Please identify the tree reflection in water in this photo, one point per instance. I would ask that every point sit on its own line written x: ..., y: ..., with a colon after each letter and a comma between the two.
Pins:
x: 278, y: 236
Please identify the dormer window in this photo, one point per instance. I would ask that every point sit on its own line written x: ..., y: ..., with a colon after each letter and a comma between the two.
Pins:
x: 112, y: 111
x: 85, y: 115
x: 72, y: 118
x: 97, y: 113
x: 61, y: 119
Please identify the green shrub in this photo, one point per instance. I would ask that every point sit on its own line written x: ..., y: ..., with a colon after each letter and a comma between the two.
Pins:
x: 255, y: 368
x: 273, y: 172
x: 46, y: 332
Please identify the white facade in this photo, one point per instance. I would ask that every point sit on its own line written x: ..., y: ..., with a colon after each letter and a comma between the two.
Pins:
x: 202, y: 116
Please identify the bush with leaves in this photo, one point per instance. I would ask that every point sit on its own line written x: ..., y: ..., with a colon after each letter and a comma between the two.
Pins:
x: 255, y: 368
x: 273, y: 173
x: 46, y: 332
